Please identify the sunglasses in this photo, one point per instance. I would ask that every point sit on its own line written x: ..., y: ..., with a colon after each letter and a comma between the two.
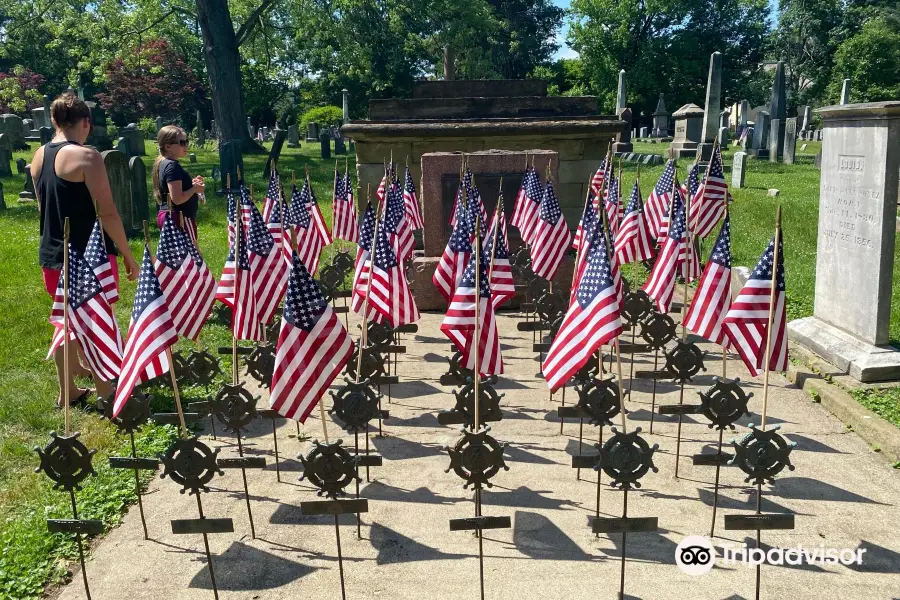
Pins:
x: 183, y: 143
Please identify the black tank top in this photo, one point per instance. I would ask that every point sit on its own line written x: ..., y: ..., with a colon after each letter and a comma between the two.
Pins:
x: 60, y: 199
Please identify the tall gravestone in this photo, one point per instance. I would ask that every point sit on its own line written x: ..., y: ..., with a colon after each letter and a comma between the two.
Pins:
x: 293, y: 136
x: 140, y: 199
x: 5, y: 156
x: 27, y: 194
x: 759, y: 147
x: 312, y: 132
x: 135, y: 139
x: 661, y: 119
x: 99, y: 138
x: 623, y: 138
x: 858, y: 194
x: 346, y: 106
x: 46, y: 134
x: 120, y: 183
x: 325, y: 144
x: 790, y: 140
x: 778, y: 112
x: 159, y: 124
x: 11, y: 125
x: 845, y: 92
x: 340, y: 146
x: 713, y: 106
x: 20, y: 166
x: 738, y: 168
x: 275, y: 152
x: 622, y: 93
x: 231, y: 158
x: 747, y: 139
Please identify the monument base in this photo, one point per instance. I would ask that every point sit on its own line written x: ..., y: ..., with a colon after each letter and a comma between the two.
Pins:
x: 859, y: 359
x: 758, y: 152
x: 619, y: 147
x: 705, y: 152
x: 682, y: 150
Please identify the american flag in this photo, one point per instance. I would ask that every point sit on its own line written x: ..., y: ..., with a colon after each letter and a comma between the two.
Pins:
x: 313, y: 347
x: 309, y: 240
x: 713, y: 296
x: 411, y: 201
x: 96, y: 256
x: 277, y: 229
x: 551, y: 236
x: 661, y: 284
x: 241, y: 297
x: 588, y: 219
x: 343, y: 215
x: 503, y: 286
x: 457, y: 205
x: 656, y: 210
x: 599, y: 177
x: 474, y: 204
x: 634, y: 242
x: 746, y: 322
x: 611, y: 203
x: 454, y: 259
x: 273, y: 194
x: 528, y: 202
x: 91, y: 319
x: 710, y: 198
x: 150, y: 334
x: 366, y: 231
x: 398, y: 225
x: 459, y: 323
x: 317, y: 218
x: 268, y: 273
x: 593, y: 318
x: 379, y: 193
x: 185, y: 280
x: 389, y: 294
x: 690, y: 187
x: 230, y: 214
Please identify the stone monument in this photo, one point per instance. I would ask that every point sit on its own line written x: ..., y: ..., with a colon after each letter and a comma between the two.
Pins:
x: 135, y: 139
x: 293, y: 136
x: 778, y: 112
x: 688, y: 131
x: 850, y: 326
x: 738, y: 168
x: 346, y: 105
x: 661, y: 119
x: 623, y: 138
x: 27, y: 194
x: 120, y: 183
x: 710, y: 126
x: 325, y: 144
x: 159, y: 124
x: 11, y: 125
x: 622, y: 93
x: 140, y: 199
x: 275, y: 151
x: 758, y: 146
x: 312, y: 132
x: 99, y: 138
x: 845, y: 92
x: 790, y: 140
x: 5, y: 155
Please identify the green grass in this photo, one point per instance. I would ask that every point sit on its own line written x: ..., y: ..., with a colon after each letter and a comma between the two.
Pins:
x: 885, y: 402
x: 33, y: 557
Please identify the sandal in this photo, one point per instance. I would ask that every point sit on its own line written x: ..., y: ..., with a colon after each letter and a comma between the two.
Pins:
x: 79, y: 402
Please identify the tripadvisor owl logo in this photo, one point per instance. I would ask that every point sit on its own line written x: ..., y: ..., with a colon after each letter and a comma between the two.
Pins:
x: 695, y: 555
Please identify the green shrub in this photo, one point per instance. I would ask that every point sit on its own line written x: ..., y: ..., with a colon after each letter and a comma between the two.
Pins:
x: 323, y: 115
x: 147, y: 126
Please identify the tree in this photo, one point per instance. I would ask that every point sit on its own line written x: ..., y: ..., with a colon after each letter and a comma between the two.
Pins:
x: 871, y: 60
x: 19, y: 90
x: 805, y: 39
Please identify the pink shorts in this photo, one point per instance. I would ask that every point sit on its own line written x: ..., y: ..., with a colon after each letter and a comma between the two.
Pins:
x: 187, y: 224
x: 51, y: 276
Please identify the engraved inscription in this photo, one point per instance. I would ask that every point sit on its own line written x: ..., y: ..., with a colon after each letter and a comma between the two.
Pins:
x: 851, y: 163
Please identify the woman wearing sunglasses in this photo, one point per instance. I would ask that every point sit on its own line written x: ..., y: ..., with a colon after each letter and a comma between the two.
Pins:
x: 171, y: 183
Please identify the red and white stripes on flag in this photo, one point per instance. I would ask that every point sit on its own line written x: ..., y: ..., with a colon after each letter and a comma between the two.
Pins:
x: 454, y: 258
x: 91, y: 319
x: 411, y: 201
x: 273, y: 194
x: 459, y: 323
x: 656, y: 210
x: 398, y: 225
x: 612, y: 204
x: 587, y: 221
x: 661, y: 284
x: 503, y: 285
x: 150, y: 334
x: 343, y: 215
x: 708, y: 203
x: 527, y: 207
x: 268, y: 273
x: 713, y: 297
x: 599, y: 177
x: 634, y: 241
x: 551, y: 237
x: 593, y: 318
x: 313, y: 347
x: 98, y: 258
x: 747, y: 322
x: 236, y: 291
x: 389, y: 294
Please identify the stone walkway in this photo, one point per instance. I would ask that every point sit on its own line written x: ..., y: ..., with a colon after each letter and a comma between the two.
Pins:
x: 843, y: 495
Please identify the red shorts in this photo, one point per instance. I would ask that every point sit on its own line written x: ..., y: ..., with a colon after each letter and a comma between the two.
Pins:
x: 51, y: 276
x: 188, y: 225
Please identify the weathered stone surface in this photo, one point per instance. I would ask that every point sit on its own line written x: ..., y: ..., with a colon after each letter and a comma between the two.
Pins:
x: 5, y: 155
x: 623, y: 138
x: 140, y: 199
x: 27, y: 193
x: 723, y: 136
x: 275, y: 152
x: 20, y: 166
x: 576, y: 171
x: 845, y: 92
x: 11, y: 125
x: 778, y: 100
x: 312, y: 132
x: 738, y: 169
x: 45, y: 134
x: 776, y: 141
x: 120, y: 183
x: 773, y: 193
x: 482, y: 108
x: 660, y: 119
x: 293, y: 136
x: 135, y: 139
x: 759, y: 146
x: 688, y: 131
x: 713, y: 102
x: 622, y: 93
x: 462, y: 88
x: 747, y: 139
x: 790, y: 140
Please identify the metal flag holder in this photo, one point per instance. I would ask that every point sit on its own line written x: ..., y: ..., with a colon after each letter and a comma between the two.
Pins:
x: 204, y: 368
x: 535, y: 287
x: 683, y: 361
x: 192, y: 464
x: 723, y: 404
x: 273, y: 415
x: 133, y: 415
x: 355, y: 405
x: 382, y: 340
x: 331, y: 468
x: 463, y: 412
x: 636, y: 306
x: 657, y: 330
x: 367, y: 364
x: 235, y: 408
x: 593, y: 368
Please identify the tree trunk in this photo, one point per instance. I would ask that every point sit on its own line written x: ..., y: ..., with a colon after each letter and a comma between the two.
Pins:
x: 220, y: 51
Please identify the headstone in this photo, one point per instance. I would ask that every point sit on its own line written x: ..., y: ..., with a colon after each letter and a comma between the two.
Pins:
x: 340, y: 147
x: 759, y: 147
x: 135, y: 139
x: 20, y: 165
x: 773, y: 193
x: 644, y: 132
x: 46, y: 134
x: 738, y: 169
x: 860, y: 181
x: 661, y: 118
x: 774, y: 143
x: 293, y: 136
x: 123, y: 145
x: 713, y: 106
x: 723, y: 137
x: 27, y: 127
x: 28, y: 192
x: 803, y: 147
x: 735, y: 116
x: 11, y: 125
x: 745, y: 113
x: 790, y: 140
x: 845, y: 92
x: 623, y: 138
x: 818, y: 160
x: 159, y: 124
x: 325, y: 143
x: 622, y: 94
x: 807, y: 118
x: 747, y: 139
x: 778, y: 112
x: 5, y: 156
x: 725, y: 118
x: 312, y: 132
x: 230, y: 159
x: 40, y: 118
x: 193, y: 158
x: 688, y: 131
x: 200, y: 134
x: 250, y: 129
x: 98, y: 138
x: 140, y: 199
x: 2, y: 199
x: 275, y: 152
x: 120, y: 183
x: 213, y: 129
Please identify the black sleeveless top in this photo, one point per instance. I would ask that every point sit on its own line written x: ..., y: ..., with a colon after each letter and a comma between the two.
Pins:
x: 60, y: 199
x: 171, y: 170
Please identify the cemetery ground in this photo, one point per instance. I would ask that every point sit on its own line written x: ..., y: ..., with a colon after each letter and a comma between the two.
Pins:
x: 32, y: 557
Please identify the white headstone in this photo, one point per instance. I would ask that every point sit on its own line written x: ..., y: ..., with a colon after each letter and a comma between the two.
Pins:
x: 737, y: 169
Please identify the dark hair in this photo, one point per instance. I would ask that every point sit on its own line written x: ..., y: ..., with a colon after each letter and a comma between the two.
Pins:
x: 67, y: 110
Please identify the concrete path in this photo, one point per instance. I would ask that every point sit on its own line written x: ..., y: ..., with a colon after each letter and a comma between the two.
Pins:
x: 843, y: 494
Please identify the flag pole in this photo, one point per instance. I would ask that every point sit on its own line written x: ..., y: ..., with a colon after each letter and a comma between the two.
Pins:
x: 496, y: 231
x: 724, y: 348
x: 476, y: 334
x: 238, y: 232
x: 637, y: 180
x: 66, y: 344
x: 365, y: 312
x: 771, y: 316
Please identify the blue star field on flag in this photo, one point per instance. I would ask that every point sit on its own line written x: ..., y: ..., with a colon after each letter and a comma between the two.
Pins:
x: 367, y: 228
x: 148, y: 289
x: 304, y: 303
x: 721, y: 253
x: 763, y: 269
x: 598, y: 272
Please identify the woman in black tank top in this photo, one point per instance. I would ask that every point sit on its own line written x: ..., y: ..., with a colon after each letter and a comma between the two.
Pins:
x: 69, y: 179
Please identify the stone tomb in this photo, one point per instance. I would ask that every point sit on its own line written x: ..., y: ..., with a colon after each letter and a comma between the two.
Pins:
x: 688, y: 132
x: 850, y: 326
x: 11, y: 125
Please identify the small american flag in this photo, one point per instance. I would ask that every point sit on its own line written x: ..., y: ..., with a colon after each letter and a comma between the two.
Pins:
x: 230, y: 214
x: 474, y: 204
x: 746, y: 323
x: 91, y: 319
x: 313, y: 347
x: 454, y: 259
x: 411, y: 201
x: 150, y: 334
x: 611, y: 203
x: 690, y: 187
x: 459, y: 323
x: 96, y: 256
x: 708, y: 202
x: 661, y: 284
x: 634, y: 242
x: 360, y: 277
x: 379, y: 193
x: 551, y: 236
x: 277, y: 229
x: 593, y: 318
x: 245, y: 323
x: 503, y: 286
x: 185, y: 280
x: 309, y: 240
x: 389, y: 294
x: 588, y: 219
x: 317, y: 218
x: 273, y: 194
x: 599, y: 177
x: 398, y: 225
x: 656, y: 210
x: 713, y: 296
x: 343, y: 215
x: 268, y: 273
x: 525, y: 216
